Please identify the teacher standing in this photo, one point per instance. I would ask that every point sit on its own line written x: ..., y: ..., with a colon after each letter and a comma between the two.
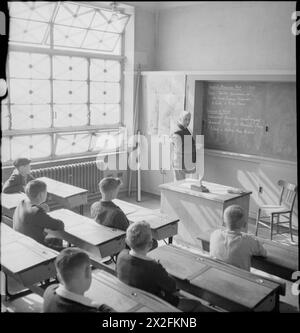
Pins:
x: 184, y: 148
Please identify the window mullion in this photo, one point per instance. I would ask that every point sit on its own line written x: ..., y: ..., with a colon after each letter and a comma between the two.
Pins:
x: 89, y: 91
x: 51, y: 92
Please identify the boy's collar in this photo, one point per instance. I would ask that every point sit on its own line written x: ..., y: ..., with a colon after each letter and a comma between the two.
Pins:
x: 65, y: 293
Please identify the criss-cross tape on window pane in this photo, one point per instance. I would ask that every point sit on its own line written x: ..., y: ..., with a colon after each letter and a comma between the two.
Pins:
x: 105, y: 92
x: 5, y: 149
x: 101, y: 41
x: 24, y: 91
x: 72, y: 143
x: 4, y: 117
x: 31, y: 116
x: 29, y: 65
x: 33, y: 146
x: 105, y: 21
x: 68, y: 37
x: 70, y: 115
x: 74, y: 15
x: 25, y: 31
x: 105, y: 114
x: 70, y: 68
x: 70, y: 92
x: 105, y: 70
x: 32, y: 10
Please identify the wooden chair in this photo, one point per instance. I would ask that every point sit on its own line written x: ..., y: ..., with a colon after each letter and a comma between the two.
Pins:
x: 281, y: 213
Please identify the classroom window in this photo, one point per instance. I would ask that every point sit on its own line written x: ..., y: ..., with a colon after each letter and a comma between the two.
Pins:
x: 64, y: 78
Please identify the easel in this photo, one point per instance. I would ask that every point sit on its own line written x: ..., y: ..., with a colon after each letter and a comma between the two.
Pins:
x: 138, y: 143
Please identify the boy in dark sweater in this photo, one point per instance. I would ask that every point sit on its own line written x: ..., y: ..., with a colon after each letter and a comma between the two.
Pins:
x: 31, y: 218
x: 136, y: 269
x: 19, y: 177
x: 105, y: 212
x: 74, y: 273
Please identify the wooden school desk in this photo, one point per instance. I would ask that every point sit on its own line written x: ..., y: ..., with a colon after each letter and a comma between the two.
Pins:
x: 199, y: 213
x: 162, y: 225
x: 9, y: 202
x: 25, y: 260
x: 281, y: 260
x: 108, y: 289
x: 67, y: 195
x: 87, y: 234
x: 220, y: 284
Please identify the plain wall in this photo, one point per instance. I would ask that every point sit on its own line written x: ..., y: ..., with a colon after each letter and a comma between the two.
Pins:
x: 224, y: 36
x: 145, y: 38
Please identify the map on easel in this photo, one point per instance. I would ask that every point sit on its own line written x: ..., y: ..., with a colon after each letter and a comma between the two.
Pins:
x: 164, y: 101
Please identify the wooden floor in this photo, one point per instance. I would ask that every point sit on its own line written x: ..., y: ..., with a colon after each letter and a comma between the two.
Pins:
x: 33, y: 303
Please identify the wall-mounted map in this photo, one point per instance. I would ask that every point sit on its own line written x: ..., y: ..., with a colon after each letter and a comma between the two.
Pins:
x: 163, y: 101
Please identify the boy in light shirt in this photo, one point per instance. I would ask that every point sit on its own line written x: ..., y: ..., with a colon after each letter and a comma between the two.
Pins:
x: 231, y: 245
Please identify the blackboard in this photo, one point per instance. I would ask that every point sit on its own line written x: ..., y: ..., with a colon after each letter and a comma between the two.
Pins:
x: 253, y: 118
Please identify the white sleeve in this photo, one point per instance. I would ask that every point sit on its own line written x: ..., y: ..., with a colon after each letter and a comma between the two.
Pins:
x: 257, y: 248
x: 177, y: 151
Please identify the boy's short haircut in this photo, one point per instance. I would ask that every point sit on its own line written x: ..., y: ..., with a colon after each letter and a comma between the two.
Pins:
x: 109, y: 184
x: 34, y: 188
x: 138, y: 235
x: 69, y: 260
x: 233, y: 216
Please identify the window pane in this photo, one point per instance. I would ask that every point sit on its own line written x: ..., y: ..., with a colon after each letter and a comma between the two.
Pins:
x: 29, y: 65
x: 105, y: 114
x: 107, y: 142
x: 33, y: 146
x: 33, y: 10
x: 70, y: 115
x: 72, y: 143
x: 74, y: 15
x: 30, y: 116
x: 100, y: 41
x: 4, y: 117
x: 105, y: 70
x: 105, y: 93
x: 69, y: 68
x: 103, y: 20
x: 65, y: 92
x: 5, y: 150
x: 68, y: 37
x: 24, y: 31
x: 23, y: 91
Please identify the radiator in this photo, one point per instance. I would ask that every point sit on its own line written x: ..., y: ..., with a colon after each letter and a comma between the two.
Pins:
x: 85, y: 175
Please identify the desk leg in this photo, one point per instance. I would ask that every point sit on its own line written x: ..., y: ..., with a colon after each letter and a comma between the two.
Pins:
x: 81, y: 209
x: 277, y: 302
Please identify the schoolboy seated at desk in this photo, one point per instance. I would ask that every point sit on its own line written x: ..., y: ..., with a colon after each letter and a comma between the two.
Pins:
x: 136, y: 269
x: 31, y: 218
x: 231, y: 245
x: 19, y: 177
x: 74, y: 273
x: 107, y: 213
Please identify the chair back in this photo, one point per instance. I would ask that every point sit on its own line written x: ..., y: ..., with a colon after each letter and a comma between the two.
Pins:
x: 288, y: 194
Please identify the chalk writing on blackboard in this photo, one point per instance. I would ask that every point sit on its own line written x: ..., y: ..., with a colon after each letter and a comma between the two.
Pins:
x: 256, y: 118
